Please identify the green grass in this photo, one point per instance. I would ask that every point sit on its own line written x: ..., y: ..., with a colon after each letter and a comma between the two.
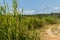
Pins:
x: 22, y: 28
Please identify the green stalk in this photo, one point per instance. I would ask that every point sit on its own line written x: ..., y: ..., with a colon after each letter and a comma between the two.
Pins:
x: 4, y: 11
x: 15, y: 5
x: 8, y: 8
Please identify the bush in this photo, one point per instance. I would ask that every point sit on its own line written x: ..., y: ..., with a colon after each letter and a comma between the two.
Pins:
x: 51, y: 20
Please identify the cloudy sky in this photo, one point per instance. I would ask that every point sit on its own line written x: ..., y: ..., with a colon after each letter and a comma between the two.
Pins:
x: 37, y: 6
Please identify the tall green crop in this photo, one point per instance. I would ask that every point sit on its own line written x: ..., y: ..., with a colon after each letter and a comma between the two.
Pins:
x: 15, y: 5
x: 4, y: 10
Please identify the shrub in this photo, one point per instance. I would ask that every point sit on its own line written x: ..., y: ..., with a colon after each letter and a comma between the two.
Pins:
x: 51, y: 20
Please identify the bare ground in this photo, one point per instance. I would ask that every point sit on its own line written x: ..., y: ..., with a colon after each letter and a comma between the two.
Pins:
x: 51, y: 32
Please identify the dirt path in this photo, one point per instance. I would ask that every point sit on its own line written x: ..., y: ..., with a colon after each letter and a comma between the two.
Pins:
x: 52, y: 33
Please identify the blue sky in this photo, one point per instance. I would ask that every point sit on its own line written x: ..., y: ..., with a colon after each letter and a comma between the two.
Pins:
x: 37, y: 6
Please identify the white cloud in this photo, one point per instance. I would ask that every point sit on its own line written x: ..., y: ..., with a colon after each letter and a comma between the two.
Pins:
x: 20, y: 9
x: 29, y: 12
x: 56, y: 8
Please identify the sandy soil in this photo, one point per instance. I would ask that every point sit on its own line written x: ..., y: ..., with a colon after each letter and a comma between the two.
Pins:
x: 51, y: 33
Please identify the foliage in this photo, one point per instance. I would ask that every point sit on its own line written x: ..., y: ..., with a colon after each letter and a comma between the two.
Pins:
x: 51, y: 20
